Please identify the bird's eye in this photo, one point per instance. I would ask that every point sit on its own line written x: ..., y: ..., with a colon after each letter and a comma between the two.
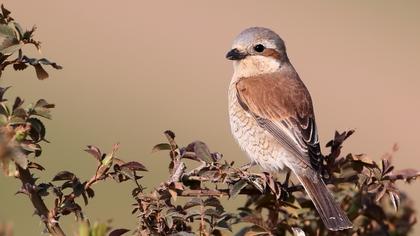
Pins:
x: 259, y: 48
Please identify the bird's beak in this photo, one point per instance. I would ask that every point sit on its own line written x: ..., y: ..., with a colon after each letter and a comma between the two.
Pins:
x: 235, y: 55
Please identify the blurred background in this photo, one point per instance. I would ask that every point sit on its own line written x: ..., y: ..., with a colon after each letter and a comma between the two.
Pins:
x: 137, y: 68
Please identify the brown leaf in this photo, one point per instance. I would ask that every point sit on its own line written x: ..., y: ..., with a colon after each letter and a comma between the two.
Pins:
x: 37, y: 131
x: 171, y: 139
x: 18, y: 102
x: 170, y: 134
x: 94, y: 151
x: 380, y: 193
x: 63, y: 175
x: 202, y: 151
x: 19, y: 66
x: 212, y: 201
x: 2, y: 92
x: 395, y: 199
x: 134, y: 166
x: 339, y: 138
x: 40, y: 72
x: 42, y: 103
x: 34, y: 165
x: 405, y: 174
x: 237, y: 187
x: 118, y: 232
x: 192, y: 203
x: 386, y: 167
x: 161, y: 146
x: 118, y: 161
x: 42, y: 108
x: 90, y: 192
x: 374, y: 187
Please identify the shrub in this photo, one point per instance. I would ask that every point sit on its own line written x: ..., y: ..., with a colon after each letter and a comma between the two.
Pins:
x: 274, y: 204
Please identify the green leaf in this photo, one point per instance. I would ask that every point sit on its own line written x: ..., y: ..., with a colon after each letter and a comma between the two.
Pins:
x: 3, y: 119
x: 10, y: 49
x: 42, y: 108
x: 18, y: 29
x: 9, y: 42
x: 84, y: 229
x: 15, y: 120
x: 107, y: 161
x: 4, y: 109
x: 99, y: 229
x: 6, y: 31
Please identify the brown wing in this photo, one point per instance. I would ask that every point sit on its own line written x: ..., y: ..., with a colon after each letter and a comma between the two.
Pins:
x: 282, y: 105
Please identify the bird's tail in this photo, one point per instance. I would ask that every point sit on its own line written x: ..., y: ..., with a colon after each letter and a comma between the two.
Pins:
x: 330, y: 212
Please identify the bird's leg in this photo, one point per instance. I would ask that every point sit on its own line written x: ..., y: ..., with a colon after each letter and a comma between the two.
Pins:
x: 286, y: 180
x: 287, y: 189
x: 247, y: 166
x: 284, y: 194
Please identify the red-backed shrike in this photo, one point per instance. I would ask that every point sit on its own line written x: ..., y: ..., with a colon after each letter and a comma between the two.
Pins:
x: 272, y: 117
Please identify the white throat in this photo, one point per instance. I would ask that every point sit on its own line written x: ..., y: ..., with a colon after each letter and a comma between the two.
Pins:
x: 255, y: 65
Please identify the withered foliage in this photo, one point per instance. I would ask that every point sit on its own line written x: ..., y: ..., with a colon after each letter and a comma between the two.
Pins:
x: 275, y: 205
x: 192, y: 200
x: 12, y: 39
x: 21, y: 132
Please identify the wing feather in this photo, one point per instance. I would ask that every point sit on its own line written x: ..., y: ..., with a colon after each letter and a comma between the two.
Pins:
x: 281, y: 104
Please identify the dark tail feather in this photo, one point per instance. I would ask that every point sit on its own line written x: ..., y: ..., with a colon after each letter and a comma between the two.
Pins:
x: 330, y: 212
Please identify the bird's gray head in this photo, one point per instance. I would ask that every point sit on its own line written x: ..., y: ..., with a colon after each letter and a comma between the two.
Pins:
x: 257, y: 50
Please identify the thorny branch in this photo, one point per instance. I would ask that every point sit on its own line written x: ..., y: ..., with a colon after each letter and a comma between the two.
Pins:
x: 51, y: 224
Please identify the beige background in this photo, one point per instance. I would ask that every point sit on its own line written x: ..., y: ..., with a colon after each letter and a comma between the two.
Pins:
x: 134, y: 69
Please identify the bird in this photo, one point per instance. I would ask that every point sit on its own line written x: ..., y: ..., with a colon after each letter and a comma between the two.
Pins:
x: 272, y: 117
